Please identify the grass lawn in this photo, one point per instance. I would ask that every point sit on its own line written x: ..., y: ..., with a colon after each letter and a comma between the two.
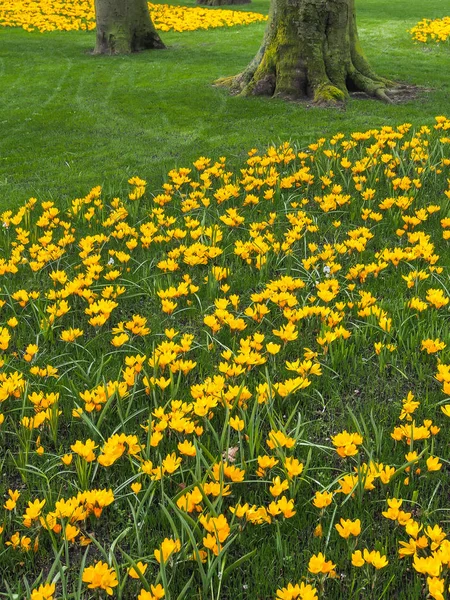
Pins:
x: 223, y: 378
x: 70, y: 121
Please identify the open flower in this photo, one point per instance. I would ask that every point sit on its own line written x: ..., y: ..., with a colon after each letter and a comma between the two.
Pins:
x: 100, y: 576
x: 167, y: 549
x: 43, y: 592
x: 318, y: 564
x: 347, y: 527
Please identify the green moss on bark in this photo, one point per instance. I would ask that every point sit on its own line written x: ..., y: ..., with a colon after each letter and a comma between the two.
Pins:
x: 329, y: 94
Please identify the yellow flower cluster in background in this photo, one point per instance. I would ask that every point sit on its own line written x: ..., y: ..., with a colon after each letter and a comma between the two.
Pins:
x: 182, y: 18
x: 174, y: 357
x: 431, y: 30
x: 75, y: 15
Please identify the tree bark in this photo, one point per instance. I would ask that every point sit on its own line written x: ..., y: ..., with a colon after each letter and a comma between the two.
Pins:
x: 124, y: 26
x: 310, y: 49
x: 222, y: 2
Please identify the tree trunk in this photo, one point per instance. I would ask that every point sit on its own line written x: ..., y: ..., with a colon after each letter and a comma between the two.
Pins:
x: 124, y: 26
x: 310, y: 49
x: 222, y: 2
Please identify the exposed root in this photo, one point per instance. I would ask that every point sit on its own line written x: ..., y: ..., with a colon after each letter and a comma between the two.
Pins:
x: 374, y: 87
x: 328, y: 94
x: 323, y: 94
x: 225, y: 81
x: 233, y: 83
x: 403, y: 93
x: 399, y: 89
x: 380, y: 93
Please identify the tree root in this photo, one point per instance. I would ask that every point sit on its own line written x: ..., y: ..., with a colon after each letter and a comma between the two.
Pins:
x: 328, y: 93
x: 233, y: 83
x: 324, y: 94
x: 380, y: 93
x: 255, y: 81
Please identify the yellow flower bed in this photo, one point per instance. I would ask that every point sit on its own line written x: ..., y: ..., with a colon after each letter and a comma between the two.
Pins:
x: 74, y: 15
x: 168, y: 362
x: 181, y: 18
x: 427, y: 30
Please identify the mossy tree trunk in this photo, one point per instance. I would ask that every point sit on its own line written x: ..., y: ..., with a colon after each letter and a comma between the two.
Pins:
x: 310, y: 49
x: 222, y: 2
x: 124, y: 26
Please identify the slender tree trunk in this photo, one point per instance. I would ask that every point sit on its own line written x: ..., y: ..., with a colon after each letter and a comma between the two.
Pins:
x: 124, y: 26
x: 222, y: 2
x: 310, y: 49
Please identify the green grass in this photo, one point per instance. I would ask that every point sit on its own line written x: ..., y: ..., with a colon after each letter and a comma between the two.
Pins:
x: 70, y: 121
